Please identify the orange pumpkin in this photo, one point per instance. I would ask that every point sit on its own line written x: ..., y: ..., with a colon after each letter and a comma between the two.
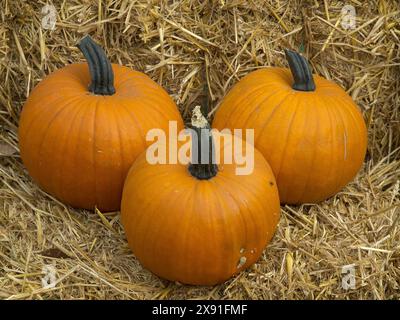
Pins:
x: 199, y: 223
x: 309, y: 130
x: 84, y: 125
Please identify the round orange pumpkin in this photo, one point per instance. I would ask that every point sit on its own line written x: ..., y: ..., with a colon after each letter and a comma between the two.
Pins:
x: 83, y: 126
x: 199, y: 223
x: 309, y: 130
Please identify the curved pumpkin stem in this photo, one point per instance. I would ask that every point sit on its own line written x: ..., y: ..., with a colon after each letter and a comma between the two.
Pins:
x: 99, y: 67
x: 202, y: 166
x: 301, y: 71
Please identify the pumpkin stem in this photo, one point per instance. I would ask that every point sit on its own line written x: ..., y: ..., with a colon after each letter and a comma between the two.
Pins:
x: 99, y: 67
x: 202, y: 166
x: 301, y: 71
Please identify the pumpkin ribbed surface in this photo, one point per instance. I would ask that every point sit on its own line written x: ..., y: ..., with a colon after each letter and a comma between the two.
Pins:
x: 78, y: 146
x: 199, y: 231
x: 315, y: 141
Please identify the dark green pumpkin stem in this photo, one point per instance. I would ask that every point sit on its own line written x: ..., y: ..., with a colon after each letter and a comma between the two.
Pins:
x: 301, y: 71
x: 202, y: 166
x: 99, y: 67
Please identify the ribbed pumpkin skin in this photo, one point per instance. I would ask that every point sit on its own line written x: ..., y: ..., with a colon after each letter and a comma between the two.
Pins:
x: 314, y: 141
x: 79, y: 146
x: 195, y: 231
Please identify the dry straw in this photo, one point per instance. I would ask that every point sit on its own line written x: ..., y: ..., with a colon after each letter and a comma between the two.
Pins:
x: 171, y: 41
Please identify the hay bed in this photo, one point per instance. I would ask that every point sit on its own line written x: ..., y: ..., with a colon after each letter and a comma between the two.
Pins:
x: 171, y: 42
